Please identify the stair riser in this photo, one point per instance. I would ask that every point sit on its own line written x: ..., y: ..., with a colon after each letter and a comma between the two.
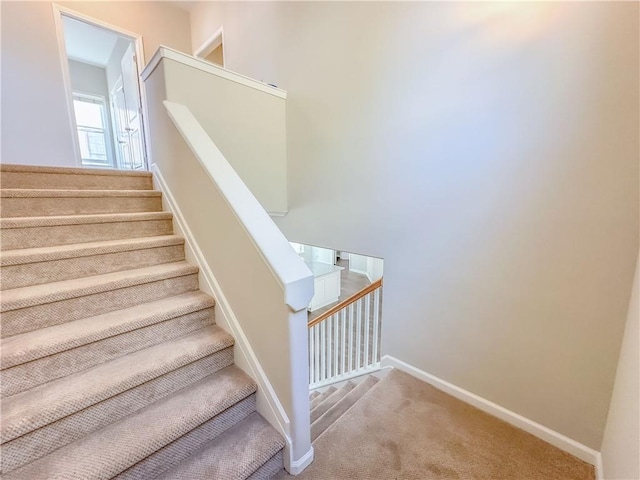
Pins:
x: 14, y: 276
x: 177, y: 451
x: 32, y: 318
x: 47, y: 206
x: 267, y: 471
x: 330, y: 401
x: 37, y: 372
x: 70, y: 181
x: 319, y: 426
x: 47, y: 236
x: 44, y: 440
x: 322, y: 397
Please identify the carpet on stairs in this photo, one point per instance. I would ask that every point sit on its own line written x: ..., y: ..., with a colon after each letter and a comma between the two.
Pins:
x: 112, y: 365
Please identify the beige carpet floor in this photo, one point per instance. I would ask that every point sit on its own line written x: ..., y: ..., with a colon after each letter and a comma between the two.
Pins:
x: 406, y: 429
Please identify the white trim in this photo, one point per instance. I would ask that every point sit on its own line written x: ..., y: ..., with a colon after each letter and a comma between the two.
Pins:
x: 213, y: 42
x: 357, y: 378
x: 86, y: 62
x: 94, y: 21
x: 556, y: 439
x: 277, y: 214
x: 291, y: 273
x: 66, y: 81
x: 191, y: 61
x: 295, y: 467
x: 101, y: 99
x: 345, y: 377
x: 58, y: 12
x: 275, y: 413
x: 599, y: 467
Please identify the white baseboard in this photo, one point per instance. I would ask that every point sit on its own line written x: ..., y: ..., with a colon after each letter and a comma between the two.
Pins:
x: 277, y: 214
x: 599, y: 467
x: 295, y: 467
x: 268, y: 404
x: 544, y: 433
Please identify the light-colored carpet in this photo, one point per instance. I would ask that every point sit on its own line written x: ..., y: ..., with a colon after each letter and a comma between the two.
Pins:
x: 405, y: 429
x: 111, y: 363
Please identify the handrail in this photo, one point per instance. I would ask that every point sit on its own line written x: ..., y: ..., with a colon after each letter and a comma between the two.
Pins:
x: 345, y: 303
x: 288, y: 269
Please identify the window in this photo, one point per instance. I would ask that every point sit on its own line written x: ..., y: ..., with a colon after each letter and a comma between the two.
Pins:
x: 91, y: 120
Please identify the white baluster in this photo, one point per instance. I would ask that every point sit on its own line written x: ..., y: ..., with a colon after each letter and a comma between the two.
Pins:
x: 312, y: 357
x: 336, y: 349
x: 350, y: 338
x: 376, y: 325
x: 317, y: 359
x: 367, y: 330
x: 343, y: 347
x: 359, y: 333
x: 329, y: 345
x: 323, y: 343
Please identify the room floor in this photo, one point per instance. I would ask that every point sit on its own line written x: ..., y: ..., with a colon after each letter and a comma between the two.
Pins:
x: 350, y: 283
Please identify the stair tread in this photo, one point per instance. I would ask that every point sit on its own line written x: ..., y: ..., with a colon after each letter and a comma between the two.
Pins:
x: 84, y: 219
x: 40, y: 343
x: 237, y: 453
x: 29, y: 410
x: 331, y: 400
x: 13, y: 167
x: 113, y: 449
x: 341, y: 406
x: 73, y: 193
x: 55, y: 291
x: 320, y: 398
x: 75, y: 250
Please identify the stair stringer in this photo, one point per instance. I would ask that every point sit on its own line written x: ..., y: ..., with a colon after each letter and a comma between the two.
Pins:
x: 267, y: 401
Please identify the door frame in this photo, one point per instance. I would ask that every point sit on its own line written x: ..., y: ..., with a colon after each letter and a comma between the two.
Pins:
x: 58, y: 12
x: 213, y: 42
x: 114, y: 120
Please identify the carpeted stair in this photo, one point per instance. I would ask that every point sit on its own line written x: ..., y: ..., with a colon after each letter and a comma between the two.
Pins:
x: 112, y: 365
x: 328, y: 406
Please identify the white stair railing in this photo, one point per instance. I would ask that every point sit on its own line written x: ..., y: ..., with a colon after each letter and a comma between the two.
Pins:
x: 344, y: 341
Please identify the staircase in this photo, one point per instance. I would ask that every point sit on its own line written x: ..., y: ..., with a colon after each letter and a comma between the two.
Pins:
x: 328, y: 406
x: 112, y: 365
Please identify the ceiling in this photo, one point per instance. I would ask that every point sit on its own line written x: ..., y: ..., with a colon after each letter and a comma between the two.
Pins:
x: 88, y: 43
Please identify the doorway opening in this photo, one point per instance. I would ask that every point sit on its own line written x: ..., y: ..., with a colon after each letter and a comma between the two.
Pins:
x: 101, y: 65
x: 213, y: 49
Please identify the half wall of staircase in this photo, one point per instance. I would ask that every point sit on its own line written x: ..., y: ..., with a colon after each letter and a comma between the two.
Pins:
x: 261, y: 286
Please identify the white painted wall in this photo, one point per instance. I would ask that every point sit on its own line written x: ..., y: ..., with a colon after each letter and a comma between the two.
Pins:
x: 33, y: 96
x: 496, y: 151
x: 248, y: 125
x: 374, y: 268
x: 621, y: 444
x: 358, y: 263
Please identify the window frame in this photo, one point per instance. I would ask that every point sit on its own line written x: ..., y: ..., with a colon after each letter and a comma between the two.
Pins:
x: 106, y: 130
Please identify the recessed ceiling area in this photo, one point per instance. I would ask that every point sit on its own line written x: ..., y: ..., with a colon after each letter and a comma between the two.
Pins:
x: 87, y: 43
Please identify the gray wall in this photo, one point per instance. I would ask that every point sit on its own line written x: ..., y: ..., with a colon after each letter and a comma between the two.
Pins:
x: 33, y: 96
x: 88, y: 78
x: 489, y: 153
